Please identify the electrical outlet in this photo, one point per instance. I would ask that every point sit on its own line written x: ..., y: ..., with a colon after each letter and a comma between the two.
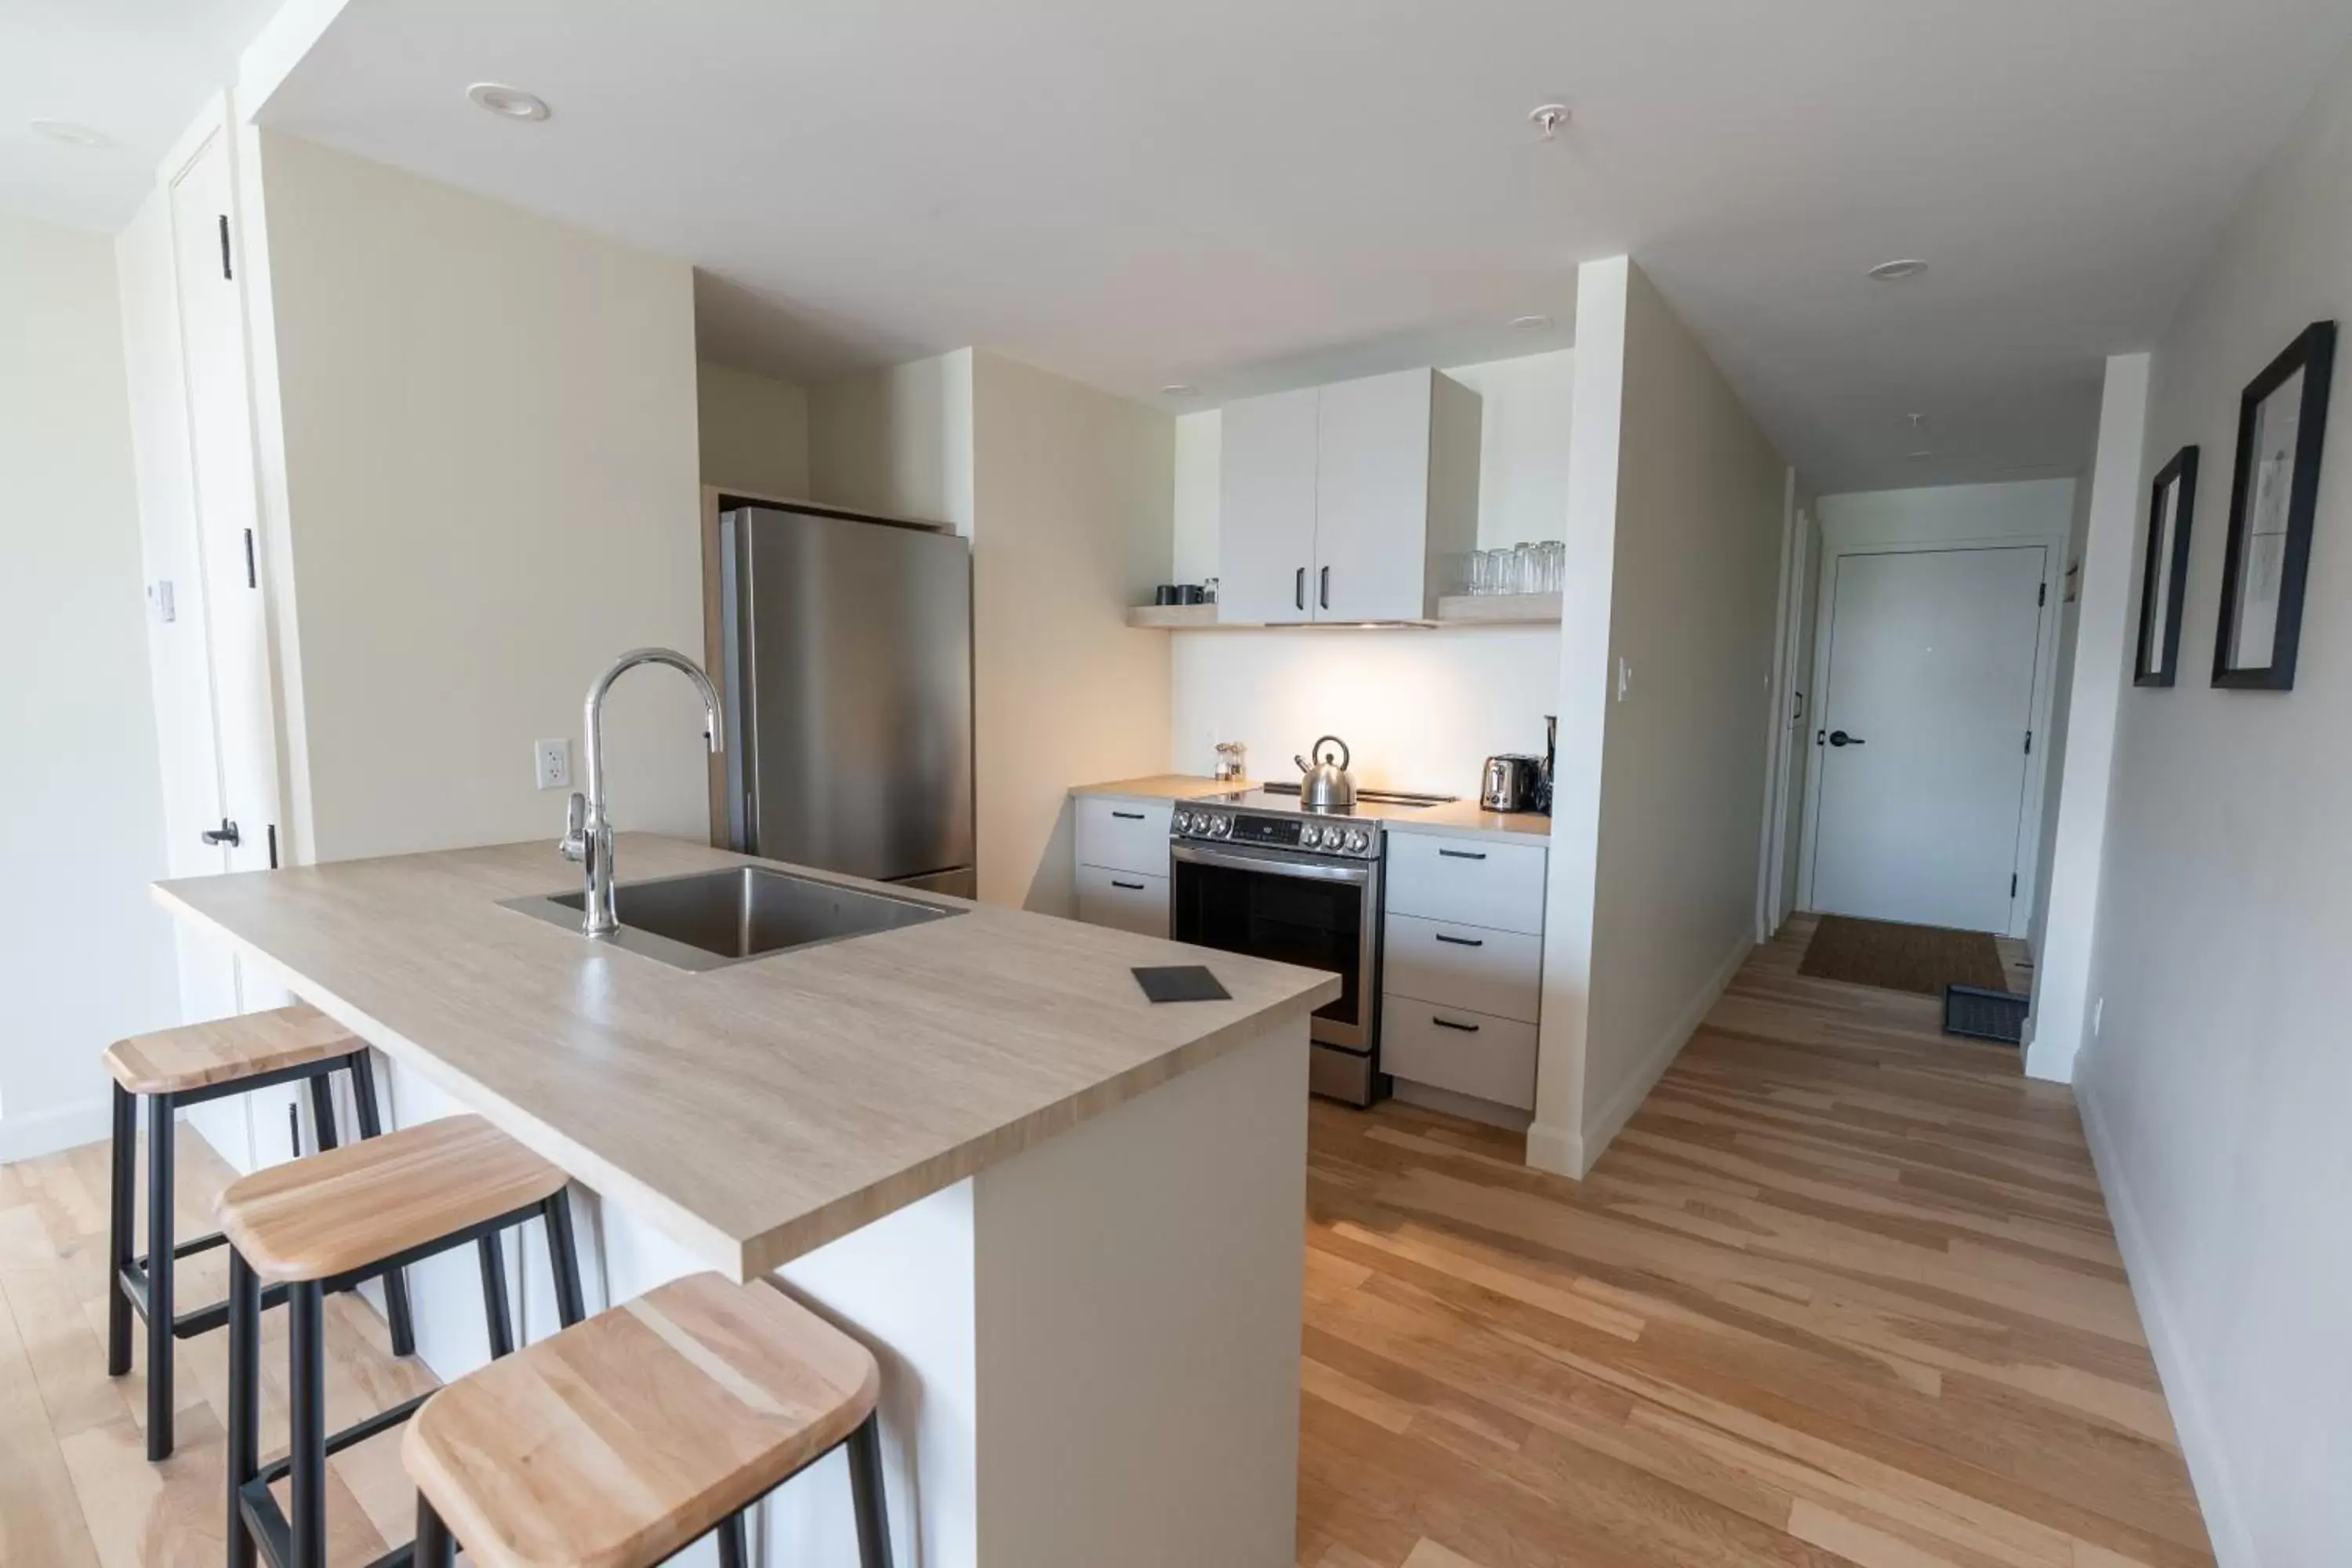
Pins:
x: 550, y: 762
x: 2098, y: 1015
x: 1624, y: 678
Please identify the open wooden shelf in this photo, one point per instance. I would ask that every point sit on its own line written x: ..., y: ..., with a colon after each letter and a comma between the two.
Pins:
x: 1498, y: 609
x: 1172, y: 617
x: 1454, y: 610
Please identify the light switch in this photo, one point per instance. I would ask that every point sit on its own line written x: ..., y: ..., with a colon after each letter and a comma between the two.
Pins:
x: 552, y: 763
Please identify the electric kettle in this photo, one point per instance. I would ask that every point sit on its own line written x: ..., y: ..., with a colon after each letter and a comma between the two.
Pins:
x: 1327, y: 785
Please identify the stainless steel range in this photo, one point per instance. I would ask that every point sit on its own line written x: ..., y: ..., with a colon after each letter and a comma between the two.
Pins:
x: 1257, y: 872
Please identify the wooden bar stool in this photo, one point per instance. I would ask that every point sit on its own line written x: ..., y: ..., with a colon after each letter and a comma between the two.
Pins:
x: 179, y: 1068
x: 319, y: 1223
x: 617, y: 1443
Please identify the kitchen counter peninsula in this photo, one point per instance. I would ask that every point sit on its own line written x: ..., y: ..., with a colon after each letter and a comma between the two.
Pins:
x: 1069, y: 1221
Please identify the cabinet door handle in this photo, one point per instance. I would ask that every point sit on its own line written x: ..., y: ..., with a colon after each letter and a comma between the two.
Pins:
x: 1460, y: 941
x: 1130, y: 887
x: 1462, y: 854
x: 1450, y: 1023
x: 1298, y: 592
x: 1325, y: 591
x: 1129, y: 815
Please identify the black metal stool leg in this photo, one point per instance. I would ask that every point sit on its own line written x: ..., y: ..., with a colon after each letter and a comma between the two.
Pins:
x: 306, y: 1399
x: 435, y: 1548
x: 122, y: 1197
x: 866, y: 1494
x: 563, y: 1259
x: 322, y: 1110
x: 734, y: 1540
x: 370, y: 1125
x: 244, y: 1400
x: 494, y: 1295
x: 161, y: 1113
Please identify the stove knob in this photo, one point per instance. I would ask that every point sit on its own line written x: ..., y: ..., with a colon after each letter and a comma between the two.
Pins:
x: 1221, y: 826
x: 1357, y: 840
x: 1183, y: 822
x: 1310, y: 835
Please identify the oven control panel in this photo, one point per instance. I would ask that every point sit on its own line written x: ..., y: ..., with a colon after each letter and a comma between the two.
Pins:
x: 1351, y: 841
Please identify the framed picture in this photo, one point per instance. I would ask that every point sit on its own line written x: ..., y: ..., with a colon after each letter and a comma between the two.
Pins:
x: 2164, y: 574
x: 2281, y: 420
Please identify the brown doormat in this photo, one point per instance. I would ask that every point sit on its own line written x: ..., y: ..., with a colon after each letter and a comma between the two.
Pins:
x: 1894, y: 957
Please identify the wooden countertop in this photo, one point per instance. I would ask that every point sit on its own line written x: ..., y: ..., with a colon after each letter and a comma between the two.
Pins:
x: 1458, y: 819
x: 755, y: 1112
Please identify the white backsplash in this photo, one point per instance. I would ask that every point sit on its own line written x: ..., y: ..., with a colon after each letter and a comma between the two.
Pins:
x: 1420, y: 711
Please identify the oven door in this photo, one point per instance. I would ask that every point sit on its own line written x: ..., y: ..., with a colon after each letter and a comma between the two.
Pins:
x: 1318, y: 914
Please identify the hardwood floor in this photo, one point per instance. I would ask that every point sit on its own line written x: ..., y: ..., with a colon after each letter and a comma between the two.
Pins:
x: 1844, y: 1290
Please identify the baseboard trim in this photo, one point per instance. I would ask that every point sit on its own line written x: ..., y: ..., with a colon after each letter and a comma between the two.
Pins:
x: 1555, y: 1150
x: 62, y: 1127
x: 1603, y: 1128
x: 2210, y: 1473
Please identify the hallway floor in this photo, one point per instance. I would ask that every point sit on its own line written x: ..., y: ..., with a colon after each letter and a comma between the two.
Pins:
x: 1843, y: 1290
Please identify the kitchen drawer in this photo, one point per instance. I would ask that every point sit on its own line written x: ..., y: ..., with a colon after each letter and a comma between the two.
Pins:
x: 1477, y: 967
x: 1454, y: 1047
x: 1124, y: 835
x: 1468, y: 882
x: 1127, y: 900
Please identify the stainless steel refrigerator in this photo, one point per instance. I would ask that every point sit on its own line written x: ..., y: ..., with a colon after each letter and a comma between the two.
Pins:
x: 848, y: 686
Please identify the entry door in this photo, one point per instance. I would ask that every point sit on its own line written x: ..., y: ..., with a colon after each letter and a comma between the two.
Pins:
x: 1921, y: 737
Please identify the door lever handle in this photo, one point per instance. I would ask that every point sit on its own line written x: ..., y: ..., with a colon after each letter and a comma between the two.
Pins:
x: 225, y: 834
x: 1840, y: 738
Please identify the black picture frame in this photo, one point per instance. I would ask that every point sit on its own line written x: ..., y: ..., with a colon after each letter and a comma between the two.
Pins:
x: 2165, y: 570
x: 2312, y: 355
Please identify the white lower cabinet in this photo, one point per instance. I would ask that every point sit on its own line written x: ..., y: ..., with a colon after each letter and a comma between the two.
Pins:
x: 1130, y: 900
x: 1453, y: 1048
x: 1462, y: 975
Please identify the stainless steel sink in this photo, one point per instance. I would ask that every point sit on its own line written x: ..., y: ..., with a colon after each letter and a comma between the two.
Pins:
x: 708, y: 920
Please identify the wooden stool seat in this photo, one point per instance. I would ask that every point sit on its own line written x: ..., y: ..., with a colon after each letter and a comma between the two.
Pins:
x: 173, y: 1061
x: 617, y: 1442
x: 355, y: 1206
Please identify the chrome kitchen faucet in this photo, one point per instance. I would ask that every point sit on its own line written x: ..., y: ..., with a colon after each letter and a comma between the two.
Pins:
x: 588, y: 832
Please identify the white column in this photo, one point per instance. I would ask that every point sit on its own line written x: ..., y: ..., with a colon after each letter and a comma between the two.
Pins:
x: 2102, y: 665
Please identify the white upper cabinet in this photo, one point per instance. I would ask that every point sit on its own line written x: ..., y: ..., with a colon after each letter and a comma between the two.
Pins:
x: 1357, y: 502
x: 1266, y: 505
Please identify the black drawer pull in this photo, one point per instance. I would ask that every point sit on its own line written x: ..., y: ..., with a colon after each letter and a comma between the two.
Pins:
x: 1130, y: 887
x: 1450, y: 1023
x: 1460, y: 941
x: 1129, y: 815
x: 1464, y: 854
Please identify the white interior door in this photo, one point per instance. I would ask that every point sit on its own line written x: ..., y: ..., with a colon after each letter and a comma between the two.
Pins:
x: 1921, y: 734
x: 216, y: 379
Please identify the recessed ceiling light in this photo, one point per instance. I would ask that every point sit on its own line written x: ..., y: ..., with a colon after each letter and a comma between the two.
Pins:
x: 66, y: 134
x: 1896, y: 271
x: 1549, y: 118
x: 1531, y: 324
x: 510, y: 102
x: 1180, y: 389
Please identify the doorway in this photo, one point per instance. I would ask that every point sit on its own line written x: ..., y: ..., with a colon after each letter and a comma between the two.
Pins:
x: 1927, y: 676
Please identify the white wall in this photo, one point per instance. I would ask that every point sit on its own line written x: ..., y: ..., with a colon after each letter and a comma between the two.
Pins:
x: 85, y: 957
x: 897, y: 441
x: 1699, y: 508
x: 2216, y: 1088
x: 491, y: 486
x: 2028, y: 512
x: 1072, y: 493
x: 754, y: 432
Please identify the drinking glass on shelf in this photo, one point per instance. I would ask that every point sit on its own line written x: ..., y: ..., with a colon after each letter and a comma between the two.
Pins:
x: 1523, y: 568
x: 1555, y: 565
x: 1478, y: 571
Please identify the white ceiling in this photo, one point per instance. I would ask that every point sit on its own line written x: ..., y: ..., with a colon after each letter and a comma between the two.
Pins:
x: 134, y: 70
x: 1241, y: 195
